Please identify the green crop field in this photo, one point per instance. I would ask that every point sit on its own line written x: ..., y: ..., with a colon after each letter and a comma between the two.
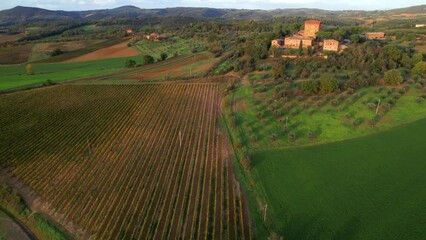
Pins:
x: 15, y: 76
x: 366, y: 188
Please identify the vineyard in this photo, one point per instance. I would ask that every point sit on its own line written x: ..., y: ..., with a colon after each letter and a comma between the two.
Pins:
x: 126, y: 161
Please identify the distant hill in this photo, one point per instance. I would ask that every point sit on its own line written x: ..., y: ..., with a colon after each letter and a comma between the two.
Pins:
x: 421, y: 9
x: 21, y: 14
x: 26, y: 14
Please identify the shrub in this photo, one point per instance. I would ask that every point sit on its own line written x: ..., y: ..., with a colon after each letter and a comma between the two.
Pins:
x: 419, y: 68
x: 311, y: 135
x: 356, y: 122
x: 130, y: 63
x: 29, y: 69
x: 277, y: 113
x: 292, y: 136
x: 393, y: 77
x: 147, y: 59
x: 411, y: 81
x: 420, y: 100
x: 396, y: 95
x: 163, y: 56
x: 348, y: 115
x: 328, y: 84
x: 56, y: 52
x: 310, y: 87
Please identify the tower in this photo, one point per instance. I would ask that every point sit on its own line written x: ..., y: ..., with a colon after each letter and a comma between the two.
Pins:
x: 311, y: 28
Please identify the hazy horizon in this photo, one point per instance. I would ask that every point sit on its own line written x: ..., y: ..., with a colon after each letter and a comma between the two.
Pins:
x: 78, y: 5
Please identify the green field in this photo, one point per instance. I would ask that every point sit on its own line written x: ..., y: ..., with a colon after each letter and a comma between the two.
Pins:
x: 366, y: 188
x: 15, y: 76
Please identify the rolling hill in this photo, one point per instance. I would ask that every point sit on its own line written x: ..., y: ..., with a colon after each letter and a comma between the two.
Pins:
x: 22, y: 14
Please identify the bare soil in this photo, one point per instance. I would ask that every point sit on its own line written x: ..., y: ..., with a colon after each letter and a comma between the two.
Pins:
x: 116, y: 51
x: 15, y: 54
x: 6, y: 37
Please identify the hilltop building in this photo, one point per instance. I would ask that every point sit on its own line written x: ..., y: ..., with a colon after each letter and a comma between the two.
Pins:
x: 294, y: 42
x: 330, y: 45
x: 311, y: 28
x: 375, y: 35
x: 420, y: 25
x: 157, y: 37
x: 305, y: 36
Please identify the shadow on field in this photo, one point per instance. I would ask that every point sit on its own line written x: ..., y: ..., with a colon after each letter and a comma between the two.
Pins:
x: 302, y: 228
x: 349, y: 230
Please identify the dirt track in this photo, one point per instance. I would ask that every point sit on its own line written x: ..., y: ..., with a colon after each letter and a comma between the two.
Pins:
x: 116, y: 51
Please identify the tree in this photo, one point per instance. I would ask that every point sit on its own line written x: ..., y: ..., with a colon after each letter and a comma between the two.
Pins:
x: 29, y: 69
x: 392, y: 52
x: 419, y: 68
x: 147, y: 59
x: 163, y: 56
x: 278, y: 70
x: 393, y: 77
x: 406, y: 61
x: 328, y: 84
x: 56, y: 52
x: 322, y: 34
x: 300, y: 51
x: 310, y: 51
x: 310, y: 87
x: 130, y: 63
x: 418, y: 57
x: 355, y: 38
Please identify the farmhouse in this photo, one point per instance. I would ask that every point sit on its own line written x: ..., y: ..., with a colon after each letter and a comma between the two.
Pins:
x: 330, y: 45
x: 375, y: 35
x: 420, y: 25
x: 294, y: 42
x: 311, y: 28
x: 157, y: 37
x: 152, y: 36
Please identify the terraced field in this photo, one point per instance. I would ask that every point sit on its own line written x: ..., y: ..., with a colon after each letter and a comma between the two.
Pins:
x: 126, y: 161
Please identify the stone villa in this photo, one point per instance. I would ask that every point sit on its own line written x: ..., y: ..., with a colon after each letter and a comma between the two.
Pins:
x: 375, y: 35
x: 330, y: 45
x: 305, y: 36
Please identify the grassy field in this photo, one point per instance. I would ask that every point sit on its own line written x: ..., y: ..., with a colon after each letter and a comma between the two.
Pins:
x: 15, y: 76
x: 170, y: 47
x: 366, y: 188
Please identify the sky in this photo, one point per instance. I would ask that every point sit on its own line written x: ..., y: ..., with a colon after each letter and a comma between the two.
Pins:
x: 71, y: 5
